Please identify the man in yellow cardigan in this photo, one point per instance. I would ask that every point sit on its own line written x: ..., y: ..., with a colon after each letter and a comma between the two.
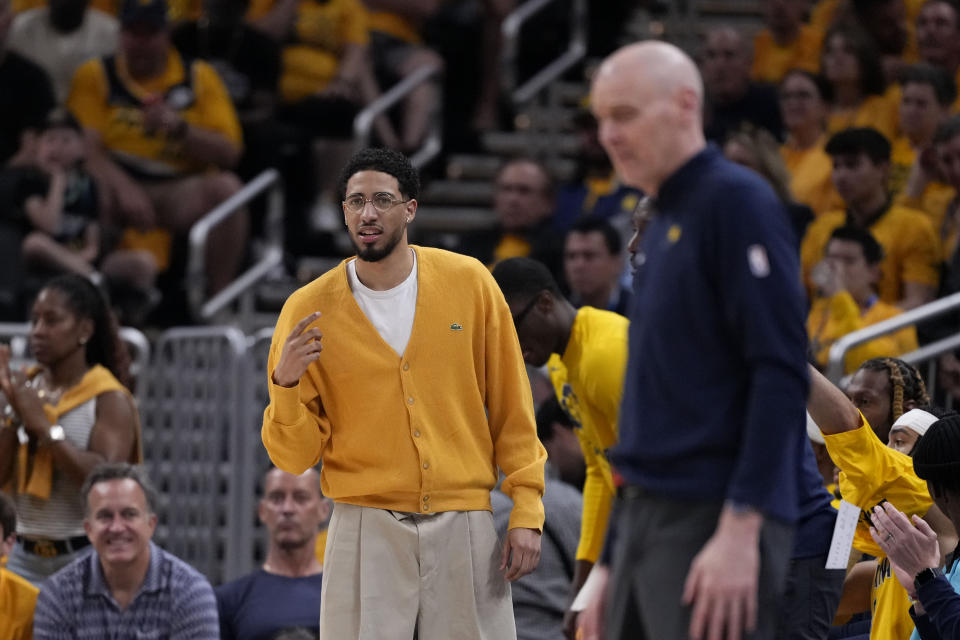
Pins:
x: 414, y: 399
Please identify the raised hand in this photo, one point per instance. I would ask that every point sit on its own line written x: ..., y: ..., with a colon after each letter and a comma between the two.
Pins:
x: 301, y: 348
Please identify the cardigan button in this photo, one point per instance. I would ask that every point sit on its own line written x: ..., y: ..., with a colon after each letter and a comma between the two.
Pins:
x: 410, y: 400
x: 416, y: 434
x: 406, y: 366
x: 426, y: 465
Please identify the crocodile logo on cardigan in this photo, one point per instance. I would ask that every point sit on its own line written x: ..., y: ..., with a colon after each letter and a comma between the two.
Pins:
x: 456, y: 326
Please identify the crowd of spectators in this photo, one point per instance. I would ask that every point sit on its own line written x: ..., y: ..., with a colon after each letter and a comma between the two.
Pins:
x: 124, y: 122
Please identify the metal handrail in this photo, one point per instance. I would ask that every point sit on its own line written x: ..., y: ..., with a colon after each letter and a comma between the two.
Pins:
x: 510, y: 29
x: 838, y: 352
x: 202, y: 309
x: 363, y: 122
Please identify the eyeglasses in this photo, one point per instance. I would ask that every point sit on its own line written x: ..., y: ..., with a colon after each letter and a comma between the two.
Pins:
x: 382, y: 202
x: 518, y: 318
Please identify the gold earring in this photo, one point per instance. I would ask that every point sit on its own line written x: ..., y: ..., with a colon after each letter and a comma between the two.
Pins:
x: 83, y: 341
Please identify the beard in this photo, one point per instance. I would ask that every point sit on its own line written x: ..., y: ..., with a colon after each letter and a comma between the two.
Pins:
x: 370, y: 253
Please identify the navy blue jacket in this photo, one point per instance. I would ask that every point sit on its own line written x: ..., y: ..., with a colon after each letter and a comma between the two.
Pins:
x: 716, y: 383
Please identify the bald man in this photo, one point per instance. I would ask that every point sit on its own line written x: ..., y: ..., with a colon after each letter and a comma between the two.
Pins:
x: 704, y: 525
x: 732, y: 98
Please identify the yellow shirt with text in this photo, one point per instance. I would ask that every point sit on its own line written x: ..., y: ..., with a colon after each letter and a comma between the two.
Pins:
x: 588, y: 381
x: 869, y: 473
x: 107, y: 100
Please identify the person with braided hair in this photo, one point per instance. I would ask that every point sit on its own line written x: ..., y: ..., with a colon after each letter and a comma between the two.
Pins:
x: 871, y: 473
x: 883, y: 389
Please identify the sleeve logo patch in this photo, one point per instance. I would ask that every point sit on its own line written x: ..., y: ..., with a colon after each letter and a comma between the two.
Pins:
x: 757, y: 259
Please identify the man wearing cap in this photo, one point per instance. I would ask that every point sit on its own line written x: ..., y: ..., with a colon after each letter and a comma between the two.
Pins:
x: 166, y: 134
x: 913, y: 546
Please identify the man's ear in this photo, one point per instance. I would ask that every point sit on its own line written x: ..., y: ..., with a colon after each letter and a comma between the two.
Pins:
x: 6, y: 544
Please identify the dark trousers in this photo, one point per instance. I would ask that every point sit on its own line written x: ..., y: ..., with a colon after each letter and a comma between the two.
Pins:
x: 810, y: 600
x: 657, y: 539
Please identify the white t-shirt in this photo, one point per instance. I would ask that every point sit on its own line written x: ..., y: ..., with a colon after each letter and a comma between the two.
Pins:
x: 32, y: 36
x: 391, y: 311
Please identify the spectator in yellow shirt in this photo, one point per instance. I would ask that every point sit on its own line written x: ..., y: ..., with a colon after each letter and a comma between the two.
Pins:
x: 848, y: 277
x: 803, y: 102
x: 926, y: 95
x: 859, y: 98
x: 910, y: 271
x: 168, y: 135
x: 786, y: 43
x: 18, y: 598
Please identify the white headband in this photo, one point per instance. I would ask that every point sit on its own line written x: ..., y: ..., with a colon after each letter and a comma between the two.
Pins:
x: 916, y: 420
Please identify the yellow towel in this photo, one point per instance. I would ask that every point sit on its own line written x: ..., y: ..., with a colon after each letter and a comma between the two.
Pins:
x: 37, y: 479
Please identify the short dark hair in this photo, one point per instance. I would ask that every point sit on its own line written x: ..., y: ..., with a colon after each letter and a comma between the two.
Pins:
x: 872, y: 251
x: 948, y: 130
x: 61, y: 118
x: 107, y: 471
x: 857, y: 140
x: 386, y: 161
x: 549, y: 414
x: 8, y: 516
x: 936, y: 457
x: 522, y: 279
x: 611, y: 238
x: 872, y: 81
x: 943, y: 85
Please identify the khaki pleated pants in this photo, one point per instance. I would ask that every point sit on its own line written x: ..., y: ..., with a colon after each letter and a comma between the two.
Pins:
x: 388, y: 575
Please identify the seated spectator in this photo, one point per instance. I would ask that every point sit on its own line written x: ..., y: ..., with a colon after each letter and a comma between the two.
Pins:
x: 398, y: 50
x: 594, y: 191
x: 926, y: 95
x: 523, y: 204
x: 63, y: 36
x: 732, y: 98
x: 756, y: 149
x: 62, y: 207
x: 913, y: 547
x: 73, y: 412
x: 285, y: 592
x: 871, y: 473
x: 786, y: 42
x: 556, y: 431
x: 891, y: 28
x: 540, y: 598
x: 803, y: 100
x: 858, y: 89
x: 127, y: 586
x: 909, y: 273
x: 585, y: 351
x: 847, y: 280
x: 17, y: 596
x: 938, y: 38
x: 325, y: 79
x: 26, y: 95
x: 593, y: 264
x: 248, y: 62
x: 166, y: 135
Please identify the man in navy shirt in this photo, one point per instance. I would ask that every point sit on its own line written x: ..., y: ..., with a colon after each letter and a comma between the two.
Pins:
x: 285, y: 593
x: 712, y: 420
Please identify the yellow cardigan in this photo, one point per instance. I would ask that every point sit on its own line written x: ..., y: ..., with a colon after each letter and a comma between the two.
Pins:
x: 424, y: 432
x: 588, y: 381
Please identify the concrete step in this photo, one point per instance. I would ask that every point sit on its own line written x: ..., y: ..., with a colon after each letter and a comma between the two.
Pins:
x: 507, y: 143
x: 465, y: 166
x: 458, y: 192
x: 451, y: 219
